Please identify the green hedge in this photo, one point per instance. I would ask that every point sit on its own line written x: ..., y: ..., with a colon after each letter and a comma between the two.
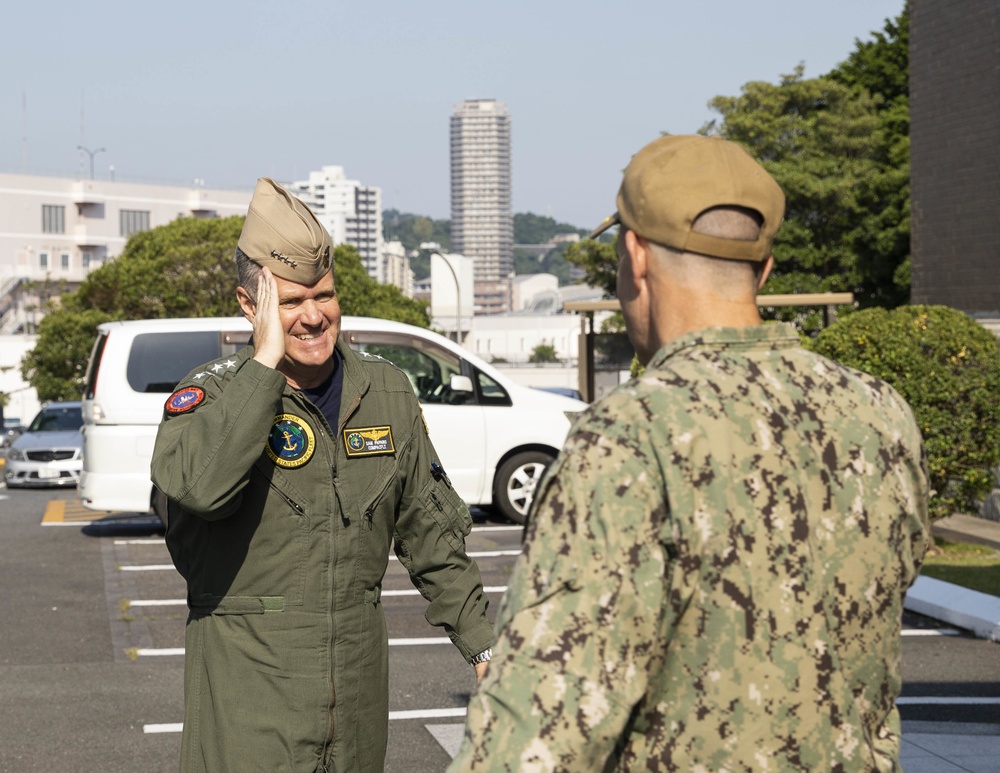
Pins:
x: 947, y: 366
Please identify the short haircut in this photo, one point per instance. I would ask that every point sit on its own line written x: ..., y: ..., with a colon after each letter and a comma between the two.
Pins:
x: 725, y: 275
x: 248, y: 272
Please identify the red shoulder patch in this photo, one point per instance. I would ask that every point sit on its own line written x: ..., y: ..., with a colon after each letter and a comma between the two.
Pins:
x: 183, y: 400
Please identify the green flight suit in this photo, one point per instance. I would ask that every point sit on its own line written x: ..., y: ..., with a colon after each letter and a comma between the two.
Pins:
x: 282, y: 529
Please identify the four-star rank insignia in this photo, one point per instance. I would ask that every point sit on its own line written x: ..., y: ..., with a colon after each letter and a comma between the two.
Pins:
x: 291, y: 442
x: 184, y: 399
x: 368, y: 441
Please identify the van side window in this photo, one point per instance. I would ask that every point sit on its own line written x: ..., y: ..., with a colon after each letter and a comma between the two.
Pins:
x: 157, y: 361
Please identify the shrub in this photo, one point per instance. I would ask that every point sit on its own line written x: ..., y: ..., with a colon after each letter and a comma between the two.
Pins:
x: 947, y: 367
x: 544, y: 353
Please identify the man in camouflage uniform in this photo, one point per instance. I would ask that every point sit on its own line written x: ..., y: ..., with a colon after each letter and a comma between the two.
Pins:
x: 714, y: 571
x: 292, y: 468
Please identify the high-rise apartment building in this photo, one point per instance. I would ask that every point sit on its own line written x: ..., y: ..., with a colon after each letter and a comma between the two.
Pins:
x: 482, y: 227
x: 350, y: 211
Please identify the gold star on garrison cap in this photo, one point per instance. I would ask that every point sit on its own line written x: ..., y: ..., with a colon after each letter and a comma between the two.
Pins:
x: 282, y: 233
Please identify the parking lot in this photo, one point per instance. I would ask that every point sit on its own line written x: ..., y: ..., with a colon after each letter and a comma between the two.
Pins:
x: 98, y: 686
x: 91, y: 648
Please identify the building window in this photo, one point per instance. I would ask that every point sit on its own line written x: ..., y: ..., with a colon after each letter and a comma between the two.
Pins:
x: 43, y: 260
x: 64, y: 261
x: 85, y: 260
x: 53, y: 219
x: 132, y: 221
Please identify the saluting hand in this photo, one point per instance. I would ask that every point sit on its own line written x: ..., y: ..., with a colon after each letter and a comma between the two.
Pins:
x: 268, y: 335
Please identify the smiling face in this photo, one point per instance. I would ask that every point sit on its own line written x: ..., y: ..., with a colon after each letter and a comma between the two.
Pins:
x: 310, y: 320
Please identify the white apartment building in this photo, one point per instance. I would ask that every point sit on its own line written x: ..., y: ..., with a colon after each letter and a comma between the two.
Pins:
x: 396, y: 267
x: 55, y: 230
x: 350, y: 211
x: 482, y: 226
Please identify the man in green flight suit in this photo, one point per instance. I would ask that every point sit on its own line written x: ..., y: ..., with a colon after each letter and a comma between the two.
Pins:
x: 290, y: 469
x: 714, y: 569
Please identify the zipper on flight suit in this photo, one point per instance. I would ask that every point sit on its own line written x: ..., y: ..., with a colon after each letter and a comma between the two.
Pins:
x: 368, y: 520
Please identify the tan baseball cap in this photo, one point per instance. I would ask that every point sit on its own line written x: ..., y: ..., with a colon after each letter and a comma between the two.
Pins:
x: 674, y: 179
x: 283, y: 234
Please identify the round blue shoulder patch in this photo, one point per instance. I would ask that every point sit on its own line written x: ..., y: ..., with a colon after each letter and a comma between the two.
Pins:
x: 184, y: 400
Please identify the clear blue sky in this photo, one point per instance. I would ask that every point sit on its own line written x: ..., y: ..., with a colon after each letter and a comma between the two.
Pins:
x: 229, y: 91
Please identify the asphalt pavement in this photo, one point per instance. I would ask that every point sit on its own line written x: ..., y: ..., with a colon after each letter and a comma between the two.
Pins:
x: 948, y: 747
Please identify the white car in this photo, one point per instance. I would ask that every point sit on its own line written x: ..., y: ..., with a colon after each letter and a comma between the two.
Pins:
x: 50, y: 450
x: 495, y: 438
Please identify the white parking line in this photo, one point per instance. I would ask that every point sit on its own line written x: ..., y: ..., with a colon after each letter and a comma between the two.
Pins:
x: 427, y: 714
x: 415, y: 592
x: 157, y: 602
x: 497, y: 528
x: 164, y: 651
x: 153, y: 652
x: 176, y: 727
x: 150, y: 541
x: 146, y: 567
x: 481, y: 554
x: 930, y: 700
x: 163, y: 727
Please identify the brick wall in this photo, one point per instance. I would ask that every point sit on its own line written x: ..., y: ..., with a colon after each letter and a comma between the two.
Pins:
x: 955, y: 153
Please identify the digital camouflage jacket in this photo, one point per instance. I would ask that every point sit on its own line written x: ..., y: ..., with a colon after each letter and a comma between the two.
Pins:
x: 714, y: 572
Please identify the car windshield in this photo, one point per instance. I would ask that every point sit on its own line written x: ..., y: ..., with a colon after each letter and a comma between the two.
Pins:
x: 57, y: 420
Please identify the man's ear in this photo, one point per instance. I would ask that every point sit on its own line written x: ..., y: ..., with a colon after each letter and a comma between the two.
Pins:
x: 766, y: 271
x: 638, y: 255
x: 247, y: 304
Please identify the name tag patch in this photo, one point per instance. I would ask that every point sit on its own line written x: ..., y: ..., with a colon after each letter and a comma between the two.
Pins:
x: 291, y: 442
x: 368, y: 441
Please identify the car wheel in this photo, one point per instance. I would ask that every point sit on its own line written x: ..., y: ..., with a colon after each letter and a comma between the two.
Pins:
x: 515, y: 483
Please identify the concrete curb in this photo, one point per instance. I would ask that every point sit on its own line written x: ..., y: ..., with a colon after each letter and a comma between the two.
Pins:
x: 969, y: 609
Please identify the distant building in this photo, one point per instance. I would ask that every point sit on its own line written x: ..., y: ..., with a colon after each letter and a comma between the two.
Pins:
x: 350, y: 211
x: 56, y: 230
x: 396, y: 267
x: 526, y: 288
x: 482, y: 226
x: 954, y: 163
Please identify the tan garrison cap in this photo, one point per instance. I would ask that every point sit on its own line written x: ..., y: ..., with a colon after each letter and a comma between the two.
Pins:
x: 674, y: 179
x: 283, y: 234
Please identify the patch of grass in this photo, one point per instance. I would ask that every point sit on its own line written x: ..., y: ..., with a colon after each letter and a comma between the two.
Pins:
x: 971, y: 566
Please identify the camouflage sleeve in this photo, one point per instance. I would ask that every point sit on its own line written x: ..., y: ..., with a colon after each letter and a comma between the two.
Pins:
x: 584, y: 615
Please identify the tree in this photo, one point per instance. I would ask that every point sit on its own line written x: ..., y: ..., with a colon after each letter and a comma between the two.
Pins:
x: 183, y: 269
x: 880, y: 67
x: 56, y: 366
x: 820, y: 141
x: 539, y: 229
x: 414, y: 230
x: 544, y: 352
x: 599, y: 263
x: 839, y: 147
x: 362, y: 296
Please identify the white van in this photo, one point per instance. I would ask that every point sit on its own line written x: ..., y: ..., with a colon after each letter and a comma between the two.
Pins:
x: 495, y: 438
